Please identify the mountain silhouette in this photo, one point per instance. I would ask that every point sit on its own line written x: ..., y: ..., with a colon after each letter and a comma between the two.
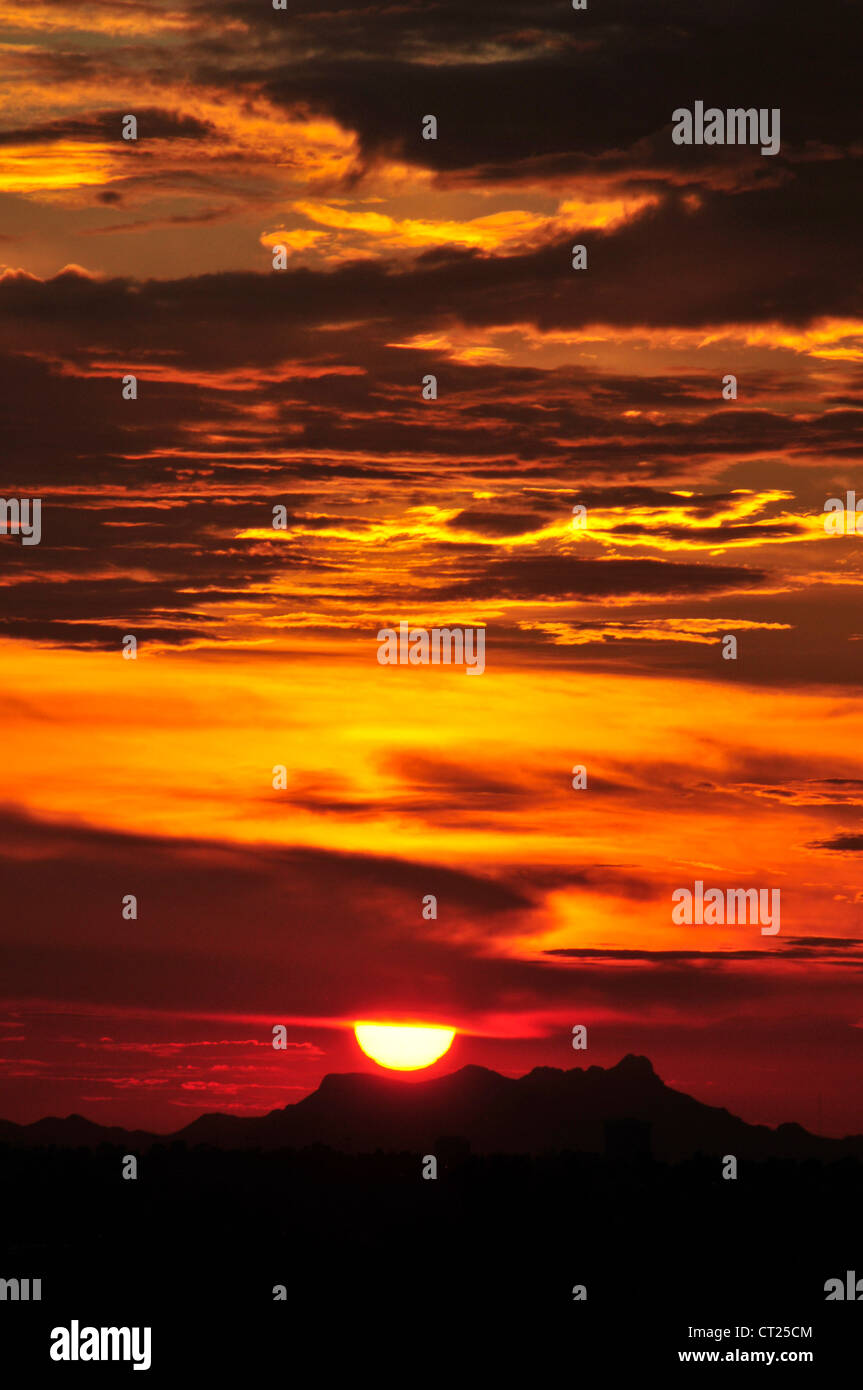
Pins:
x: 547, y: 1111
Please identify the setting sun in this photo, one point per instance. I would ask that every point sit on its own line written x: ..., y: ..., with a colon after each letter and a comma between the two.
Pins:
x: 403, y: 1047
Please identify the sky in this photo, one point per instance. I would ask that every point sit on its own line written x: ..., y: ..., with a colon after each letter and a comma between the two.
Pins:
x: 301, y: 388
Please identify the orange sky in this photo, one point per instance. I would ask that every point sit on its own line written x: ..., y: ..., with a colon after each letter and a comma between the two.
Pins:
x: 301, y: 388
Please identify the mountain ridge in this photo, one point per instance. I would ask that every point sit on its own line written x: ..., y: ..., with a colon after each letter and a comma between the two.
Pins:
x: 549, y: 1109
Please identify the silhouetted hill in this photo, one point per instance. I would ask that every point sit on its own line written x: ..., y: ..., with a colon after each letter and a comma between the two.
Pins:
x: 547, y: 1111
x: 72, y: 1132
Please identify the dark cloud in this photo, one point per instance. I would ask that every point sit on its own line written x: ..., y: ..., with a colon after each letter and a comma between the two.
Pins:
x: 179, y: 219
x: 566, y: 576
x: 524, y: 78
x: 153, y: 124
x: 334, y: 934
x: 844, y: 844
x: 794, y: 948
x: 498, y: 523
x: 669, y: 267
x: 526, y: 89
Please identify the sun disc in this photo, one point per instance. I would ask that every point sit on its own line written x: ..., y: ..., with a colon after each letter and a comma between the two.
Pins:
x: 403, y: 1046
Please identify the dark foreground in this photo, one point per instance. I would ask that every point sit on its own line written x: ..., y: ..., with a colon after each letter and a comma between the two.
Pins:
x: 415, y: 1281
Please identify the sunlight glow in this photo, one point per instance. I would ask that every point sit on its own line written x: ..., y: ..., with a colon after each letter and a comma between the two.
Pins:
x: 403, y: 1047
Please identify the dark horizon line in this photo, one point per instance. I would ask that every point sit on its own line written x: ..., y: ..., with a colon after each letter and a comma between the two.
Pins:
x: 392, y: 1078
